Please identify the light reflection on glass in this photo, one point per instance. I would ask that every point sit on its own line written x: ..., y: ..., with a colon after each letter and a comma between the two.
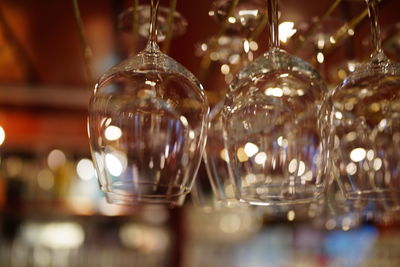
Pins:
x: 112, y: 133
x: 114, y: 164
x: 286, y: 30
x: 260, y: 158
x: 358, y: 154
x: 250, y: 149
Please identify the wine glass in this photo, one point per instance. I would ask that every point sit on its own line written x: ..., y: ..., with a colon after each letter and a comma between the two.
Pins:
x: 364, y: 119
x: 147, y: 126
x: 219, y: 192
x: 233, y: 46
x: 340, y: 71
x: 275, y: 148
x: 233, y: 51
x: 229, y: 49
x: 315, y: 34
x: 390, y: 38
x: 336, y: 212
x: 391, y: 43
x: 125, y: 20
x: 246, y: 17
x: 312, y: 40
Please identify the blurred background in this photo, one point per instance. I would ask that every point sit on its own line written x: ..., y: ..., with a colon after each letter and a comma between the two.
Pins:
x: 52, y: 212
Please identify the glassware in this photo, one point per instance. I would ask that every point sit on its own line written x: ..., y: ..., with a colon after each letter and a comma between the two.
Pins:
x: 391, y: 44
x: 314, y: 39
x: 364, y: 119
x: 390, y: 38
x: 233, y: 46
x: 335, y: 212
x: 274, y: 145
x: 340, y: 71
x: 316, y: 32
x: 147, y: 125
x: 233, y: 51
x: 215, y: 159
x: 245, y: 16
x: 228, y: 51
x: 144, y: 18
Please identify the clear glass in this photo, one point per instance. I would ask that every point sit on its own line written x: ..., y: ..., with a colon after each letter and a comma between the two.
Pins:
x: 314, y: 35
x: 365, y: 122
x: 235, y: 46
x: 216, y: 162
x: 147, y: 125
x: 337, y: 213
x: 390, y: 38
x: 245, y: 15
x: 228, y: 51
x: 339, y: 72
x: 391, y: 41
x: 275, y: 148
x: 234, y: 50
x: 143, y: 13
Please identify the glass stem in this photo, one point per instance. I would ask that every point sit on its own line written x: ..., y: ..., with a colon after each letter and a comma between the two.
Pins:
x: 375, y: 30
x: 273, y: 24
x: 152, y: 45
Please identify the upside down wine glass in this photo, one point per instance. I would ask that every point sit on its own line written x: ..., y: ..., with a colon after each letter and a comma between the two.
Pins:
x: 245, y: 18
x: 234, y: 48
x: 275, y: 148
x: 147, y: 124
x: 365, y: 122
x: 143, y: 13
x: 247, y: 14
